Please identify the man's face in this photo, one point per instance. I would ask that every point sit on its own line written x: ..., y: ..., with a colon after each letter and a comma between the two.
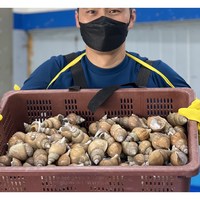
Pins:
x: 86, y: 15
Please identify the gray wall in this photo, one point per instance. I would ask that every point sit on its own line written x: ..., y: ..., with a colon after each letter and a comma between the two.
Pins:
x: 6, y: 33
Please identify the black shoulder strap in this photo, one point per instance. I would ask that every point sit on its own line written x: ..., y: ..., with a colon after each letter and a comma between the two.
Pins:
x: 77, y: 72
x: 103, y: 94
x: 143, y: 75
x: 70, y: 57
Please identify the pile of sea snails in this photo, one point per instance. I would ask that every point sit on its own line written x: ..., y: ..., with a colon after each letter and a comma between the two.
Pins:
x: 117, y: 141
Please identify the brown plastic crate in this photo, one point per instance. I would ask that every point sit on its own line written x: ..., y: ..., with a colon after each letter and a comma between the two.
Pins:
x: 18, y: 107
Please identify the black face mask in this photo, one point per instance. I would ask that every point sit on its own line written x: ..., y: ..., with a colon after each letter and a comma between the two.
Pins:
x: 104, y: 34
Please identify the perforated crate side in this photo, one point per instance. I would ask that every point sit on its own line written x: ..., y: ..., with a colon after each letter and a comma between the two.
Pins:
x: 27, y: 106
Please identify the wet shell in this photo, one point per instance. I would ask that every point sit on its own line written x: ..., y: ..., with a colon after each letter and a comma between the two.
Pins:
x: 181, y: 144
x: 83, y: 145
x: 55, y: 137
x: 156, y: 123
x: 40, y: 157
x: 106, y: 136
x: 176, y: 119
x: 159, y: 157
x: 130, y: 148
x: 78, y: 136
x: 37, y: 140
x: 130, y: 122
x: 105, y: 123
x: 138, y: 159
x: 160, y: 140
x: 17, y: 137
x: 113, y: 149
x: 105, y: 126
x: 79, y: 156
x: 145, y: 147
x: 64, y: 160
x: 73, y: 118
x: 97, y: 155
x: 20, y: 151
x: 47, y: 131
x: 30, y: 161
x: 27, y: 165
x: 65, y: 132
x: 140, y: 134
x: 5, y: 160
x: 113, y: 161
x: 53, y: 122
x: 93, y: 128
x: 124, y: 164
x: 16, y: 162
x: 118, y: 133
x: 32, y: 127
x: 168, y: 129
x: 180, y: 129
x: 177, y: 136
x: 56, y: 150
x: 179, y: 140
x: 178, y: 158
x: 97, y: 149
x: 156, y: 158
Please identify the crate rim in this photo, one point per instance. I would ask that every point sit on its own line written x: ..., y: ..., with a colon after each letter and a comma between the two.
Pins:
x: 24, y: 92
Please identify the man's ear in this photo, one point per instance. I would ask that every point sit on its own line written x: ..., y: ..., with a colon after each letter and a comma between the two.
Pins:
x: 77, y: 19
x: 132, y: 19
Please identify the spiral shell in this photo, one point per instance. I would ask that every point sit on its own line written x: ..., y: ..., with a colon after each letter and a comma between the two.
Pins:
x: 118, y: 133
x: 40, y: 157
x: 20, y: 151
x: 29, y: 162
x: 56, y: 150
x: 160, y: 140
x: 156, y: 123
x: 65, y: 132
x: 79, y: 156
x: 53, y: 122
x: 73, y: 118
x: 145, y: 147
x: 179, y: 140
x: 113, y: 149
x: 93, y: 128
x: 178, y: 158
x: 5, y: 160
x: 130, y: 148
x: 138, y: 159
x: 106, y: 136
x: 113, y: 161
x: 16, y: 162
x: 17, y: 137
x: 140, y: 134
x: 37, y: 140
x: 159, y: 157
x: 97, y: 149
x: 64, y: 159
x: 176, y: 119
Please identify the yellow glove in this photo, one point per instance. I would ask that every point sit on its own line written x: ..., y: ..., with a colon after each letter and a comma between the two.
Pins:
x: 192, y: 112
x: 16, y: 87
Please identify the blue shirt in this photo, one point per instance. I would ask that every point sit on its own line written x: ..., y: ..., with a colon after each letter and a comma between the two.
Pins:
x: 97, y: 77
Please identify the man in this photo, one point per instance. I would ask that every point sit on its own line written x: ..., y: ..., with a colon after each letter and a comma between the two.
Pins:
x: 105, y: 61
